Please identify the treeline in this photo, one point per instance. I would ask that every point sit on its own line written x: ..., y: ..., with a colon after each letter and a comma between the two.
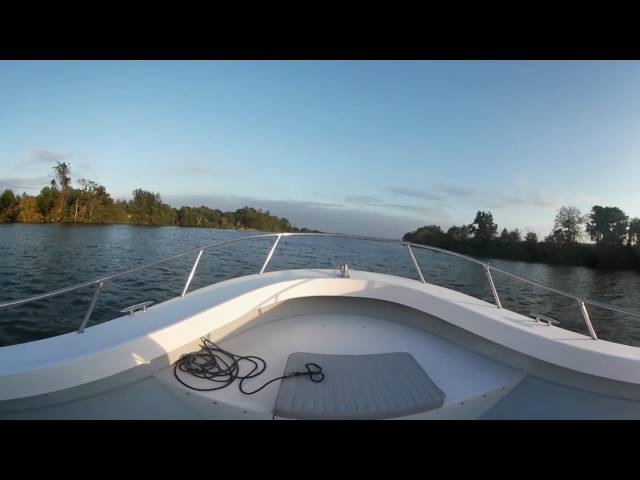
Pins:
x: 90, y: 203
x: 615, y: 237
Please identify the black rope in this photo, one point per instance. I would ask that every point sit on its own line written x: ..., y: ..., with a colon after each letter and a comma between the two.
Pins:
x: 219, y: 366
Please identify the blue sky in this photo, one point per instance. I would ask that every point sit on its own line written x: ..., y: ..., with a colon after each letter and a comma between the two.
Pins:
x: 377, y: 147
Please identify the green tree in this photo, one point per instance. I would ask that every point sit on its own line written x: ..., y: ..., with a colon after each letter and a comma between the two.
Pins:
x: 556, y: 236
x: 92, y: 203
x: 146, y: 208
x: 510, y: 236
x: 118, y: 212
x: 8, y: 206
x: 483, y: 227
x: 46, y: 201
x: 427, y: 235
x: 28, y: 210
x: 62, y: 172
x: 531, y: 238
x: 199, y: 217
x: 459, y: 234
x: 608, y: 225
x: 514, y: 236
x: 566, y: 226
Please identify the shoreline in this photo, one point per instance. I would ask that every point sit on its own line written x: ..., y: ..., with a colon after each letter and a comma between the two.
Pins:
x: 241, y: 229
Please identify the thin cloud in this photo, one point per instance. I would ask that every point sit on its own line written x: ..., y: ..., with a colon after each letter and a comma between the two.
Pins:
x: 369, y: 201
x: 415, y: 208
x: 410, y: 192
x: 364, y: 200
x: 46, y: 156
x: 38, y: 157
x: 525, y: 197
x: 196, y: 170
x: 322, y: 205
x: 313, y: 204
x: 530, y: 198
x: 456, y: 191
x: 587, y: 198
x: 24, y: 184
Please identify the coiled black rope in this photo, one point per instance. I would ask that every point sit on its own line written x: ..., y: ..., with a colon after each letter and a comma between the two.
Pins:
x: 219, y: 366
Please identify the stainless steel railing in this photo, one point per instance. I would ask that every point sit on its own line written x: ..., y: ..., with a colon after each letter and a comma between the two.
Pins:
x: 100, y: 282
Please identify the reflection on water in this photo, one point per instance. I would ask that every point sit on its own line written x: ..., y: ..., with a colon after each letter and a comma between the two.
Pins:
x: 38, y: 258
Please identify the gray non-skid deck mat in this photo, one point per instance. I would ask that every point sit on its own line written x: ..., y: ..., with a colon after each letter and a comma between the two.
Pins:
x: 374, y: 386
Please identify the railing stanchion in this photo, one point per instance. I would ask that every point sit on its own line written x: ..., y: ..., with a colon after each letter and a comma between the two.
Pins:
x: 266, y: 262
x: 587, y: 320
x: 193, y: 271
x: 90, y: 309
x: 487, y: 270
x: 415, y: 263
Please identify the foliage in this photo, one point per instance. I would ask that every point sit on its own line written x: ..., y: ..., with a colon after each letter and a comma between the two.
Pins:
x: 91, y: 203
x: 566, y: 227
x: 459, y: 234
x: 510, y: 236
x: 8, y: 206
x: 428, y: 235
x: 608, y: 225
x: 483, y: 227
x: 47, y: 199
x: 515, y: 236
x: 28, y: 210
x: 62, y: 173
x: 560, y: 247
x: 147, y: 208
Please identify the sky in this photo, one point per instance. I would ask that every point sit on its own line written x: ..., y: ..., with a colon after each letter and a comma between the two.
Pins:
x: 366, y: 147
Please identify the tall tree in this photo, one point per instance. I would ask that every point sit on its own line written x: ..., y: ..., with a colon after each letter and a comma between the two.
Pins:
x: 147, y: 208
x: 459, y: 234
x: 46, y: 200
x: 483, y: 227
x: 62, y: 172
x: 531, y: 238
x: 566, y: 227
x: 427, y: 235
x: 28, y: 210
x: 514, y: 236
x: 92, y: 202
x: 8, y: 206
x: 608, y: 225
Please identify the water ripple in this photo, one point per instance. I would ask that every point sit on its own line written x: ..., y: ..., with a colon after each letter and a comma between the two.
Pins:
x: 38, y: 258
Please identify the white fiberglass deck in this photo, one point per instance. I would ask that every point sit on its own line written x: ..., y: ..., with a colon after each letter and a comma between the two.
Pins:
x: 69, y: 360
x: 461, y: 374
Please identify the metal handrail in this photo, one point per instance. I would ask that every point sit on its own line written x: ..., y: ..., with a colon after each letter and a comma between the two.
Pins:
x: 131, y: 310
x: 99, y: 282
x: 543, y: 318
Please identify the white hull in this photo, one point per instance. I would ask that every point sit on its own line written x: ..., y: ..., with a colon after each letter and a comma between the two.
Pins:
x: 488, y: 362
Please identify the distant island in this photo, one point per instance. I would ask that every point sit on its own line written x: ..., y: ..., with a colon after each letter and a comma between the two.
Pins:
x: 59, y: 202
x: 615, y: 237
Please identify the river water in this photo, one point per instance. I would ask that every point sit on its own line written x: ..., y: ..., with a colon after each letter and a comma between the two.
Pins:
x: 38, y: 258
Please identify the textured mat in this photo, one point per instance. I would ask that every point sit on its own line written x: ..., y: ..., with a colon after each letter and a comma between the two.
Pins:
x: 374, y: 386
